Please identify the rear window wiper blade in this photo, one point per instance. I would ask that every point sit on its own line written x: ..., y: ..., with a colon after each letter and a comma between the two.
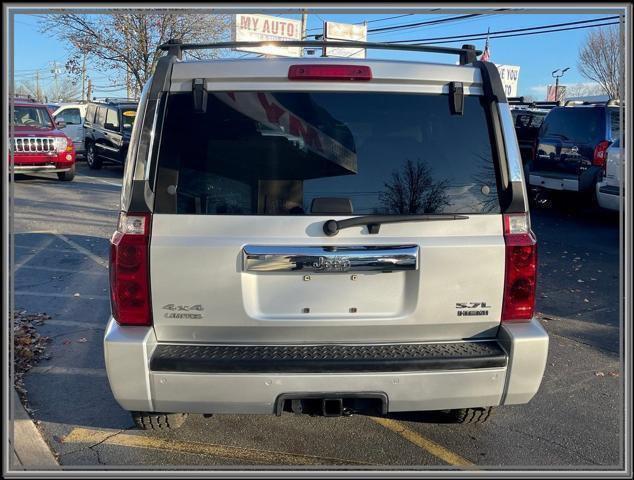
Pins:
x: 332, y: 227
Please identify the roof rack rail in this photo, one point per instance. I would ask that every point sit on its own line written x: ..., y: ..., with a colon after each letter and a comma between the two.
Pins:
x: 115, y: 100
x: 25, y: 98
x: 548, y: 104
x: 467, y: 54
x: 609, y: 103
x: 519, y: 102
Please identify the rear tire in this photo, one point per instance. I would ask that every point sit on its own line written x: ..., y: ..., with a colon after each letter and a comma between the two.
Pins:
x: 158, y: 421
x: 470, y: 415
x: 67, y: 176
x: 94, y: 163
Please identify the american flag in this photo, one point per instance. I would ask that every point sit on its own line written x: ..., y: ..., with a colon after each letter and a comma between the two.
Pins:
x: 486, y: 54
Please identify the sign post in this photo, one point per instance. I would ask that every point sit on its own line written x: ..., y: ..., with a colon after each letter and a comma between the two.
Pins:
x: 259, y: 28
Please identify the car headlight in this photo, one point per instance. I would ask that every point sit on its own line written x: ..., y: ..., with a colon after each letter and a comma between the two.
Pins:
x: 60, y: 144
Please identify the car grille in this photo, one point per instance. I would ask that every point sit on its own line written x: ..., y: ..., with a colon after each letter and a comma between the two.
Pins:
x: 34, y: 144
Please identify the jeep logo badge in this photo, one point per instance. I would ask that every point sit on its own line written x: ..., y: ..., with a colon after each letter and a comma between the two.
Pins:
x: 325, y: 264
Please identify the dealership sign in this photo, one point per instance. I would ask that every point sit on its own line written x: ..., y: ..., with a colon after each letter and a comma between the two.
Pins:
x: 344, y: 31
x: 509, y: 74
x: 260, y: 28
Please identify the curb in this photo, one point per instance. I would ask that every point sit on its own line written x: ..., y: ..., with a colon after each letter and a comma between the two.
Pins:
x: 29, y: 450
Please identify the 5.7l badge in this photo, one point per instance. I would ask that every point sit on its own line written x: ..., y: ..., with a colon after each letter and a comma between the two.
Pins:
x: 475, y: 309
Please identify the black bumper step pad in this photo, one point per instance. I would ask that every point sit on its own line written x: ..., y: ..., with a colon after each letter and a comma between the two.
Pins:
x: 332, y: 358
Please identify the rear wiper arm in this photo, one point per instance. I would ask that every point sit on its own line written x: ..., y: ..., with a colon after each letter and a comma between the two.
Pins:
x: 332, y: 227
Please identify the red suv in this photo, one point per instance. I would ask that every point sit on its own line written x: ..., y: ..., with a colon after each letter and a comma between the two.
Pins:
x: 38, y: 145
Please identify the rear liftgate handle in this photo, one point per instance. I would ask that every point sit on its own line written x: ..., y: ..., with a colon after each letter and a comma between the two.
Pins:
x: 383, y: 258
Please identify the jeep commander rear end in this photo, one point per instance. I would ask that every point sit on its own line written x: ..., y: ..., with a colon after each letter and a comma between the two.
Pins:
x: 323, y: 236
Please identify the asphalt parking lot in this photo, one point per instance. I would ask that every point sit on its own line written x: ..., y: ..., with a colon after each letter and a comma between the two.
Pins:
x: 61, y: 232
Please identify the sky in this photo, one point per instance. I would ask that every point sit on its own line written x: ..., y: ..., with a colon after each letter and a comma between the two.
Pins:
x: 536, y: 55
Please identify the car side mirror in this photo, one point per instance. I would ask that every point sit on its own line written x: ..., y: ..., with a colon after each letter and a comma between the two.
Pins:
x: 60, y: 122
x: 110, y: 126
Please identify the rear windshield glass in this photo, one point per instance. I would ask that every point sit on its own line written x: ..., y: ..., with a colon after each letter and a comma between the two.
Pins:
x: 299, y: 153
x: 581, y: 125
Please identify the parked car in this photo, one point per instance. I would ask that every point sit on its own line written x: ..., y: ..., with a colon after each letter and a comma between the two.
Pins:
x: 107, y: 129
x: 528, y: 117
x: 572, y: 145
x: 609, y: 189
x: 73, y: 115
x: 39, y: 146
x: 295, y: 235
x: 527, y: 124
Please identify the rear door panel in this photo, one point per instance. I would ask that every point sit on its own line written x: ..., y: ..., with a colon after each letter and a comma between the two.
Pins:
x: 201, y: 293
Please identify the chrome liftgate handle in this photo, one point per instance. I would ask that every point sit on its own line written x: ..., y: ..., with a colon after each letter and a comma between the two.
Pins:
x: 315, y: 259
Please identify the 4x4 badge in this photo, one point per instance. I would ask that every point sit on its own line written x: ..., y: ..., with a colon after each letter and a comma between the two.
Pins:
x: 188, y: 311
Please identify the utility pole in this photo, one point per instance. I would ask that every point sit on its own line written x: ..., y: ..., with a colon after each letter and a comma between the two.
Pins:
x: 55, y: 71
x: 89, y: 91
x: 83, y: 79
x: 304, y: 26
x: 37, y: 85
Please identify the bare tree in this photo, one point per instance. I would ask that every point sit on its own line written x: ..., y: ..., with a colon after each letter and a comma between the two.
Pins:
x: 601, y: 59
x: 64, y: 90
x: 583, y: 90
x: 413, y: 190
x: 124, y: 42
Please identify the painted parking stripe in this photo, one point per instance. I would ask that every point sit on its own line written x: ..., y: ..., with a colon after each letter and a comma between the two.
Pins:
x: 254, y: 455
x: 100, y: 180
x: 86, y: 296
x: 42, y: 249
x: 27, y: 258
x: 426, y: 444
x: 83, y: 250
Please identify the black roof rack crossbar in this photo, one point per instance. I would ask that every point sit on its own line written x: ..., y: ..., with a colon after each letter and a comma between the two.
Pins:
x: 467, y: 54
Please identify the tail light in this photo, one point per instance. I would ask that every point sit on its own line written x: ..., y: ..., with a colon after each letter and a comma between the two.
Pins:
x: 329, y: 72
x: 129, y: 270
x: 521, y: 269
x: 601, y: 154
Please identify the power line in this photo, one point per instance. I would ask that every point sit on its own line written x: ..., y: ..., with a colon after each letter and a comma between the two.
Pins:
x: 521, y: 34
x: 438, y: 25
x: 427, y: 22
x: 490, y: 34
x: 369, y: 21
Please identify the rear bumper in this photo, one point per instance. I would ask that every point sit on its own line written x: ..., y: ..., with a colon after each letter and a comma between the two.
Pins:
x: 608, y: 196
x: 554, y: 182
x: 137, y: 385
x: 80, y: 147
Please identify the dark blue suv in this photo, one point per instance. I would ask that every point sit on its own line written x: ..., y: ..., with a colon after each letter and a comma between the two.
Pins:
x: 572, y: 147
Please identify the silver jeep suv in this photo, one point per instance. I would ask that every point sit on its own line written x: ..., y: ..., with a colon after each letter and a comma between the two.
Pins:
x: 324, y: 236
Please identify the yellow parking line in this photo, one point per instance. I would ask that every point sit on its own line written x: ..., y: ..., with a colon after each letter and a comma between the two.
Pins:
x: 266, y: 457
x: 429, y: 446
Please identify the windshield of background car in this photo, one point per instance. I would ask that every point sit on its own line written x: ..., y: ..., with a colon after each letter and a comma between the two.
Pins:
x: 580, y: 125
x: 30, y: 116
x: 275, y: 153
x: 128, y: 115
